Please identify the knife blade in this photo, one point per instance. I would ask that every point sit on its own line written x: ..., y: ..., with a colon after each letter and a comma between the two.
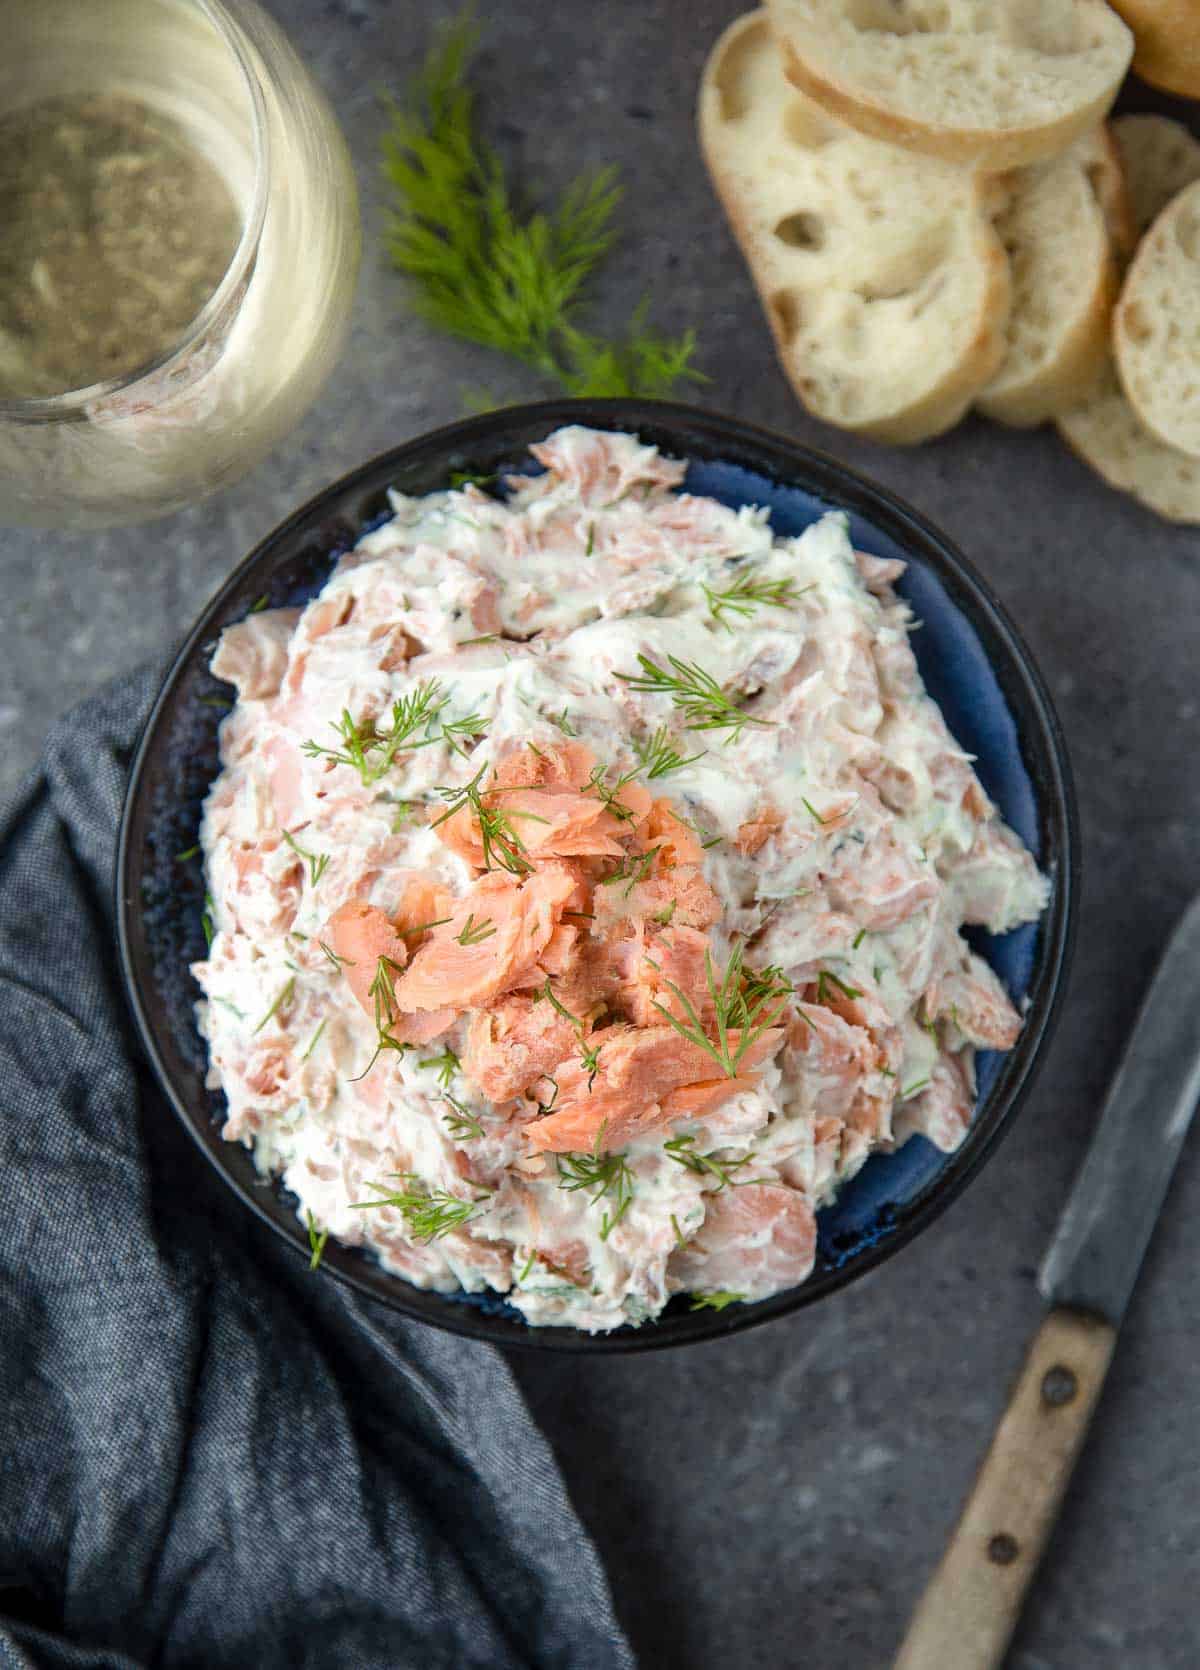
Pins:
x: 1092, y: 1263
x: 970, y: 1607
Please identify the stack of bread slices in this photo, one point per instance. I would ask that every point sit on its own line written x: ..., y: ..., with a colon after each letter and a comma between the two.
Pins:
x: 937, y: 216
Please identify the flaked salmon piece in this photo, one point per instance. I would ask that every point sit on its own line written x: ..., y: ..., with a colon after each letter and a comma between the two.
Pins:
x: 650, y: 964
x: 360, y: 934
x: 253, y: 653
x: 537, y: 823
x: 754, y: 1240
x: 422, y: 902
x: 758, y: 830
x: 564, y: 765
x: 695, y: 1101
x: 973, y: 998
x: 637, y: 1067
x: 600, y: 467
x: 513, y: 1045
x: 677, y: 843
x: 944, y: 1109
x: 680, y: 897
x: 836, y: 1057
x: 507, y: 923
x: 881, y: 885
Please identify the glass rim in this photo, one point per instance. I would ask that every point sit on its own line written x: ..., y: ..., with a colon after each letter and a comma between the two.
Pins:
x: 71, y: 403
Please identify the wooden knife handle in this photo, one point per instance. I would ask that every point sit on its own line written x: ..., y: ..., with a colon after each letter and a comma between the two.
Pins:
x: 966, y: 1617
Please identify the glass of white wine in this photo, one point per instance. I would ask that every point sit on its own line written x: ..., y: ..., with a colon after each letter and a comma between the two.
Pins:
x: 179, y: 243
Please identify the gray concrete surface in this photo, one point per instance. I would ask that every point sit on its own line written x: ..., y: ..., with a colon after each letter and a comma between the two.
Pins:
x: 779, y: 1498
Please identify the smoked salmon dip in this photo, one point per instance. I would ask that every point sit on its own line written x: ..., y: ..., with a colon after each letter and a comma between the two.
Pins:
x: 588, y: 869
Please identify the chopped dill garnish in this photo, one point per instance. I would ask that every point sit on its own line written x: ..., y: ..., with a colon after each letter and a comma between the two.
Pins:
x: 706, y: 840
x: 314, y: 1041
x: 528, y: 1266
x: 232, y: 1007
x: 182, y: 857
x: 317, y: 862
x: 858, y: 939
x: 591, y: 1062
x: 742, y: 1001
x: 416, y: 723
x: 701, y: 701
x: 825, y: 979
x: 461, y: 1123
x: 485, y: 267
x: 747, y: 594
x: 470, y: 478
x: 609, y: 792
x: 334, y: 958
x: 680, y: 1237
x: 664, y: 916
x: 812, y: 810
x: 563, y: 723
x: 912, y: 1089
x: 428, y: 1213
x: 259, y: 604
x: 316, y: 1242
x: 474, y: 933
x: 717, y: 1300
x: 546, y: 990
x: 225, y: 702
x: 631, y: 869
x: 483, y: 638
x: 206, y: 920
x: 604, y: 1176
x: 659, y: 756
x: 502, y: 846
x: 456, y: 732
x: 423, y: 927
x: 285, y: 997
x: 547, y: 1107
x: 447, y: 1064
x: 591, y: 540
x: 384, y: 998
x: 682, y: 1151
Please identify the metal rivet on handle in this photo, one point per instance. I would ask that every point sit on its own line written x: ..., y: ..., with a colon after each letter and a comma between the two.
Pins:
x: 1059, y: 1386
x: 1003, y: 1549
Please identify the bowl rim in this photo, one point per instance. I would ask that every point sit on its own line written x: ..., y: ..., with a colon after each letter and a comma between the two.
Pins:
x: 791, y: 464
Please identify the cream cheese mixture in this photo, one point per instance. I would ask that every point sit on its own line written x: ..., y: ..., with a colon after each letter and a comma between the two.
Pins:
x: 588, y: 871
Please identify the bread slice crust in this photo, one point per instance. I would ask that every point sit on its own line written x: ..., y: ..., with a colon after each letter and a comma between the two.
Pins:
x: 884, y: 283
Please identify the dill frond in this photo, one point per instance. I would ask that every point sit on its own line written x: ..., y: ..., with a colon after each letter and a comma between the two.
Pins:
x: 484, y: 266
x: 702, y: 703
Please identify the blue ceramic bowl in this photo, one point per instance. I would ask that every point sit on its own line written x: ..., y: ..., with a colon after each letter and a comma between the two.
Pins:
x: 973, y: 663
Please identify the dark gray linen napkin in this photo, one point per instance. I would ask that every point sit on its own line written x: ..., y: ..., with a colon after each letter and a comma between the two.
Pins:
x: 209, y: 1456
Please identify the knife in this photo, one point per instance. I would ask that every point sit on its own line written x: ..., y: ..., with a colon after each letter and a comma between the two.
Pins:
x: 966, y: 1617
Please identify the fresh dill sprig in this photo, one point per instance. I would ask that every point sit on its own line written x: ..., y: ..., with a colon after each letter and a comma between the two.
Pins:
x: 590, y: 1057
x: 680, y: 1237
x: 382, y: 993
x: 314, y: 1040
x: 631, y: 869
x: 717, y: 1300
x: 683, y: 1151
x: 702, y: 703
x: 416, y: 723
x: 259, y: 604
x: 608, y: 792
x: 182, y: 857
x: 743, y: 1002
x: 428, y: 1213
x: 447, y: 1064
x: 461, y: 1123
x: 232, y: 1007
x: 858, y: 939
x: 747, y: 594
x: 563, y: 723
x: 206, y: 921
x: 474, y: 933
x: 825, y: 979
x: 470, y: 478
x: 546, y: 990
x: 502, y: 846
x: 706, y: 840
x: 664, y: 916
x: 281, y: 1001
x: 334, y: 958
x: 912, y: 1089
x: 317, y: 862
x: 316, y: 1242
x: 659, y: 756
x: 546, y: 1107
x: 604, y: 1177
x: 485, y: 268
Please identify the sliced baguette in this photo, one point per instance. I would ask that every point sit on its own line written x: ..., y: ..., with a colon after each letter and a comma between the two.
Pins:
x: 1156, y: 328
x: 999, y: 83
x: 1106, y: 434
x: 1166, y: 37
x: 1160, y: 157
x: 883, y: 280
x: 1067, y: 219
